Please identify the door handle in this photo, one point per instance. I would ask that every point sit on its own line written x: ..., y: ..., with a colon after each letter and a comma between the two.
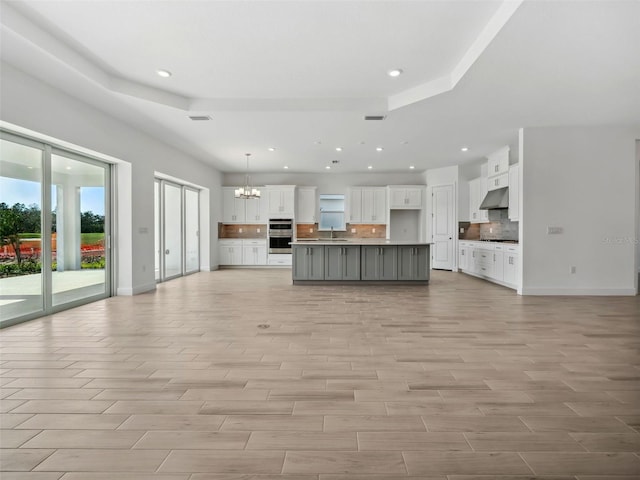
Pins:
x: 167, y: 251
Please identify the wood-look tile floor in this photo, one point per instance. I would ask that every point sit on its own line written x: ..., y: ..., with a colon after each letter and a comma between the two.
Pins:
x: 460, y: 380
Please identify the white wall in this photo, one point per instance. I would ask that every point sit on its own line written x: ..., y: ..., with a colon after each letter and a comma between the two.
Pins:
x: 334, y: 182
x: 585, y: 181
x: 31, y: 104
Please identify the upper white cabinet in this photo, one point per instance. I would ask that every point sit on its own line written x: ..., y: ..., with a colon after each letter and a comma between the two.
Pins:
x: 477, y: 192
x: 500, y: 181
x: 281, y: 201
x: 498, y: 162
x: 405, y: 197
x: 514, y: 192
x: 306, y: 205
x: 368, y: 205
x: 240, y: 210
x: 355, y: 205
x: 233, y: 210
x: 256, y: 210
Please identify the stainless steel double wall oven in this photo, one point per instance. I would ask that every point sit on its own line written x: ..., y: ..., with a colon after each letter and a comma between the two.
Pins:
x: 280, y: 235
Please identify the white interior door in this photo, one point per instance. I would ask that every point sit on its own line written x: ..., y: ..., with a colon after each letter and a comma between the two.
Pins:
x: 443, y: 228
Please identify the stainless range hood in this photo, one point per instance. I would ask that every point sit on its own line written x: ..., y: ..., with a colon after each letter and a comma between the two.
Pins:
x: 496, y: 199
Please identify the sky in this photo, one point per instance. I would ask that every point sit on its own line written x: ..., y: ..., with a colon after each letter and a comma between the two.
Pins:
x: 14, y: 191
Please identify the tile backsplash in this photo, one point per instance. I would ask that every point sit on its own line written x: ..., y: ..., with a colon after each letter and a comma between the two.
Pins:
x: 361, y: 231
x: 498, y: 228
x: 228, y: 230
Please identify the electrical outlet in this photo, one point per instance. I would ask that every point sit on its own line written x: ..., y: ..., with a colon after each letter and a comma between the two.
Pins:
x: 311, y: 230
x: 353, y: 230
x: 490, y: 229
x: 373, y: 230
x: 257, y: 230
x: 239, y: 230
x: 554, y: 230
x: 572, y: 269
x: 461, y: 229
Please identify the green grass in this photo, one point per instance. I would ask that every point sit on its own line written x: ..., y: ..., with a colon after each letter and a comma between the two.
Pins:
x: 91, y: 238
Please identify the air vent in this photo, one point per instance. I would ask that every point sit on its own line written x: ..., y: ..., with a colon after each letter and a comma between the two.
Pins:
x: 375, y: 117
x: 199, y: 118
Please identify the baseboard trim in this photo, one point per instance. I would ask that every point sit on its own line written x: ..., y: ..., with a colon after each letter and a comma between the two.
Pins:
x: 589, y: 292
x: 130, y: 291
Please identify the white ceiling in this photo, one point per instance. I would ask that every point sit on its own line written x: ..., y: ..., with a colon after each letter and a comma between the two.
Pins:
x: 291, y: 74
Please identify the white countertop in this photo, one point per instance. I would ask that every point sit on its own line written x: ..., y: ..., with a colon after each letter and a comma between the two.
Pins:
x: 356, y: 241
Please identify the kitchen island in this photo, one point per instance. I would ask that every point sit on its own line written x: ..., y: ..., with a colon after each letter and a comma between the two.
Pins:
x: 351, y: 261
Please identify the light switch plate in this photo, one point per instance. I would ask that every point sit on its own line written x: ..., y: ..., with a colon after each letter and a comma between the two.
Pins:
x: 554, y: 230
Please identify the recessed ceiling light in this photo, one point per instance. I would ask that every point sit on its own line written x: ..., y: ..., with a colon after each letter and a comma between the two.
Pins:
x: 30, y: 168
x: 465, y: 149
x: 396, y: 72
x: 328, y: 167
x: 164, y: 73
x: 271, y: 149
x: 370, y: 167
x: 68, y: 168
x: 379, y: 149
x: 286, y: 167
x: 338, y: 149
x: 411, y: 167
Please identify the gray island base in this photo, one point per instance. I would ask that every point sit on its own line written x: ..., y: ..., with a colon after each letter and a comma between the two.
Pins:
x: 368, y: 261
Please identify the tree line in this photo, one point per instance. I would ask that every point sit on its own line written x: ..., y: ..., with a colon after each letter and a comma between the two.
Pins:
x: 19, y: 219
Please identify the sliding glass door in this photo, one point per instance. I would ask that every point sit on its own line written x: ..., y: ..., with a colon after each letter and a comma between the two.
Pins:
x: 79, y: 231
x: 177, y: 240
x: 54, y: 229
x: 21, y: 179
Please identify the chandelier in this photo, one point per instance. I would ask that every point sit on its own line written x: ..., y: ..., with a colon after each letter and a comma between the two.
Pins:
x: 247, y: 191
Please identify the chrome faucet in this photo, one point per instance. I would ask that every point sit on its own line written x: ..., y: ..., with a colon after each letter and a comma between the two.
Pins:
x: 332, y: 233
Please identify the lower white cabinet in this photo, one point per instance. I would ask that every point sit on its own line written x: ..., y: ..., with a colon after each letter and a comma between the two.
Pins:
x: 230, y: 252
x: 254, y: 252
x: 512, y: 265
x: 497, y: 262
x: 243, y: 252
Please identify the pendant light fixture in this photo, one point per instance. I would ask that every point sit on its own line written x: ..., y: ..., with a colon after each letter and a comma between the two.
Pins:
x: 247, y: 191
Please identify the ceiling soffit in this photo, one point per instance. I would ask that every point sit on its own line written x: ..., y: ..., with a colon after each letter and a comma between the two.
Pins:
x: 15, y: 23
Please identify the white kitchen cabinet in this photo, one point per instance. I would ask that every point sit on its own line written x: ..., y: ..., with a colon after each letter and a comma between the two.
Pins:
x: 514, y: 192
x: 501, y: 181
x: 230, y: 252
x: 281, y: 201
x: 511, y: 265
x: 405, y: 197
x: 233, y: 210
x: 306, y: 205
x: 477, y: 192
x: 355, y: 205
x: 497, y: 272
x: 484, y: 262
x: 256, y: 210
x: 463, y: 256
x: 254, y: 252
x: 374, y: 205
x: 498, y: 162
x: 243, y: 251
x: 483, y: 214
x: 368, y: 205
x: 241, y: 210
